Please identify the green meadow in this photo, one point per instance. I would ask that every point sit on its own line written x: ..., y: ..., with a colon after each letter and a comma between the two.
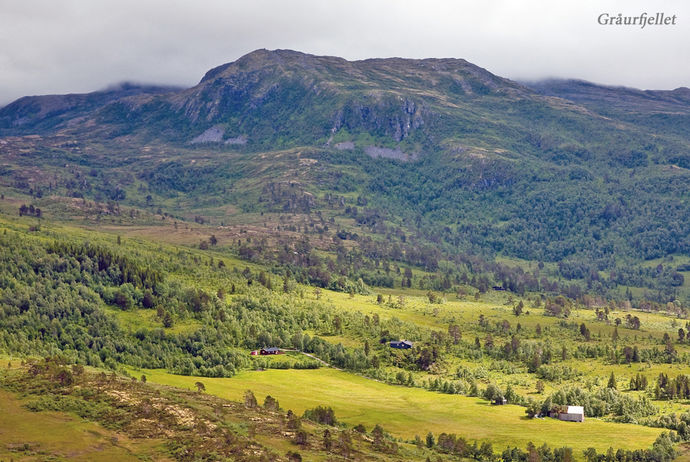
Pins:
x: 406, y: 412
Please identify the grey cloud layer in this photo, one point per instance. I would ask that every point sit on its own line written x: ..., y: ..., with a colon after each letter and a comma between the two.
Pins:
x: 64, y: 46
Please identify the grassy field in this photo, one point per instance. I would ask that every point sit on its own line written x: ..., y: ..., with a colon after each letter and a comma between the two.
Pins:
x: 408, y: 411
x: 56, y: 436
x: 136, y: 319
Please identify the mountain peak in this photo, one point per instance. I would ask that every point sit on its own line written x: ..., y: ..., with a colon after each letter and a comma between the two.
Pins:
x: 409, y: 67
x: 263, y: 58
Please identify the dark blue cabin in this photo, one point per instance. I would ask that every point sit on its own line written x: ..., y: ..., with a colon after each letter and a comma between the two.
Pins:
x: 401, y: 344
x: 270, y: 351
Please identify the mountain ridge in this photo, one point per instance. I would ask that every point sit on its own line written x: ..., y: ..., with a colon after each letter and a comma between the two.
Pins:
x: 259, y: 93
x: 286, y: 60
x: 437, y: 152
x: 257, y: 75
x: 584, y: 91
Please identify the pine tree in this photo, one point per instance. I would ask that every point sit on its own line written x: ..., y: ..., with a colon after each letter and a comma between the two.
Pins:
x: 429, y: 440
x: 612, y: 382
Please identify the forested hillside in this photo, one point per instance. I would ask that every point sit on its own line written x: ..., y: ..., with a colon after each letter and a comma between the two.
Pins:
x: 56, y: 295
x: 413, y: 162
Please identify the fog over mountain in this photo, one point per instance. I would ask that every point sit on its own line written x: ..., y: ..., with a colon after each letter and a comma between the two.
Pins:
x: 73, y: 46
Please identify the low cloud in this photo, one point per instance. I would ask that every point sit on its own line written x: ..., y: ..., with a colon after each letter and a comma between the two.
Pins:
x: 77, y: 46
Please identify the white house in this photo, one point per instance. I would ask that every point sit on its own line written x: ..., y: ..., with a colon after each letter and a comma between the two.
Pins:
x: 573, y: 414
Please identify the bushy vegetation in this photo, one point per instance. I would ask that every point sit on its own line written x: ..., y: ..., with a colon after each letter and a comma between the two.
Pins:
x: 54, y: 296
x: 602, y: 402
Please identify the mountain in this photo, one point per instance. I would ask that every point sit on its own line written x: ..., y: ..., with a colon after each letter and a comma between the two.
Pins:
x: 267, y: 96
x: 658, y: 110
x: 269, y: 99
x: 430, y: 160
x: 257, y: 96
x: 46, y: 113
x: 616, y: 98
x: 285, y: 98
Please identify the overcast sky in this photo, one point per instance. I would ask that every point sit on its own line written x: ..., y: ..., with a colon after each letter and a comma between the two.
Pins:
x: 73, y: 46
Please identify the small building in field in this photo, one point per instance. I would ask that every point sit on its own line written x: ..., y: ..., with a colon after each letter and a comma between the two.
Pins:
x: 572, y: 414
x: 401, y: 344
x: 270, y: 351
x: 254, y: 353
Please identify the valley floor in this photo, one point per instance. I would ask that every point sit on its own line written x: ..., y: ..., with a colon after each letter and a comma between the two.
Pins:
x: 405, y: 412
